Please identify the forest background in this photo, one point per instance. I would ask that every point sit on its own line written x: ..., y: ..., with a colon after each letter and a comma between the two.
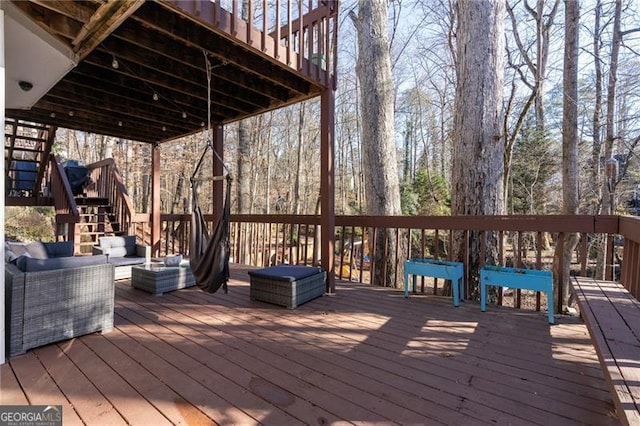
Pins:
x: 277, y: 170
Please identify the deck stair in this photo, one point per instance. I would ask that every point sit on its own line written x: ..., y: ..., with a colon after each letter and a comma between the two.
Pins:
x: 35, y: 176
x: 27, y: 147
x: 97, y: 219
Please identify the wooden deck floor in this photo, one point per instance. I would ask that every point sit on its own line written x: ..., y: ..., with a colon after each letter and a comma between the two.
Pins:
x: 365, y: 356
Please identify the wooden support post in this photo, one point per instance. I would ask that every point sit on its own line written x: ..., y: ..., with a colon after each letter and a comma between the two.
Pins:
x: 327, y: 186
x: 155, y: 201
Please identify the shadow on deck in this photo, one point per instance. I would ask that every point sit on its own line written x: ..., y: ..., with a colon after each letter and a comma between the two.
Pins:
x: 363, y: 355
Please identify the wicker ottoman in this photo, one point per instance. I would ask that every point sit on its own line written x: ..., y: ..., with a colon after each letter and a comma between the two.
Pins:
x: 287, y: 285
x: 161, y: 279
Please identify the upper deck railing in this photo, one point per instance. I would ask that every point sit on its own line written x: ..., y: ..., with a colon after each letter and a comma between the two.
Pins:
x: 301, y: 34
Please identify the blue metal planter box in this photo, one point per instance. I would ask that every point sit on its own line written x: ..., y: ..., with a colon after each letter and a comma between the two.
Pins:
x: 526, y: 279
x: 446, y: 269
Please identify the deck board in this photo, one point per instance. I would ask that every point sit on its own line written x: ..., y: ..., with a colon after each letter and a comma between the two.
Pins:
x: 362, y: 356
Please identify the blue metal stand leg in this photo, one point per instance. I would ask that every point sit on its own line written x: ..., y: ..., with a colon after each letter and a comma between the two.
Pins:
x: 483, y: 296
x: 456, y: 292
x: 406, y: 285
x: 550, y: 305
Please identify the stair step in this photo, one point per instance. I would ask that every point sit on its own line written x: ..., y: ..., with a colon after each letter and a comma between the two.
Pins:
x: 92, y: 201
x: 30, y: 138
x: 96, y: 222
x: 24, y: 149
x: 25, y: 124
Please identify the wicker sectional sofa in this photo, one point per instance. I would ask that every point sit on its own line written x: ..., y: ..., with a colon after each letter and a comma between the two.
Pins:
x: 123, y: 252
x: 57, y: 299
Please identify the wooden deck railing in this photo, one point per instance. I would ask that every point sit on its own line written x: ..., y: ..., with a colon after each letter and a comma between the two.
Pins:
x: 629, y: 229
x: 301, y: 34
x: 524, y: 241
x: 67, y: 214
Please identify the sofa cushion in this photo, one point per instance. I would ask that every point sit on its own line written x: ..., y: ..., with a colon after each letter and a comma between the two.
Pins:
x: 119, y: 246
x: 288, y: 273
x: 37, y: 250
x: 129, y: 260
x: 21, y: 261
x: 34, y: 265
x: 59, y: 249
x: 17, y: 247
x: 130, y: 244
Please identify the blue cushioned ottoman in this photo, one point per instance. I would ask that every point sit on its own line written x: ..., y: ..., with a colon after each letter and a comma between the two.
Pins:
x: 287, y: 285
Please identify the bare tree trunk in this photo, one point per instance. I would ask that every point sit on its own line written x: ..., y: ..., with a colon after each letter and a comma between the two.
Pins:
x: 536, y: 67
x: 296, y: 184
x: 243, y: 181
x: 478, y: 149
x: 564, y: 250
x: 380, y: 172
x: 597, y: 107
x: 596, y: 148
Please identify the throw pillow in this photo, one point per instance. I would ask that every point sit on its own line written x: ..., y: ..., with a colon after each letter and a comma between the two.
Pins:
x: 59, y: 249
x: 37, y: 250
x: 117, y: 252
x: 18, y: 248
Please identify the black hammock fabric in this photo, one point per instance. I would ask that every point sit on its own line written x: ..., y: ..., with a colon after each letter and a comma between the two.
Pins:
x: 209, y: 257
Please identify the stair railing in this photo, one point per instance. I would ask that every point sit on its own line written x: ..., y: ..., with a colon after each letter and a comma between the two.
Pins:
x: 106, y: 182
x: 67, y: 214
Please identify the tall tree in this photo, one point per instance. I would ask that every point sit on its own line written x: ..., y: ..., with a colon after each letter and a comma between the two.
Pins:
x: 382, y: 186
x: 532, y: 72
x: 243, y: 181
x: 570, y: 172
x: 611, y: 128
x: 478, y: 141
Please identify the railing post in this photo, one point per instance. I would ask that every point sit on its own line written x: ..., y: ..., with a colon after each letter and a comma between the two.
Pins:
x: 155, y: 201
x: 327, y: 185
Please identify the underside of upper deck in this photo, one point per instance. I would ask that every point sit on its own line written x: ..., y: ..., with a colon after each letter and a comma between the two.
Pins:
x: 363, y: 355
x: 140, y: 70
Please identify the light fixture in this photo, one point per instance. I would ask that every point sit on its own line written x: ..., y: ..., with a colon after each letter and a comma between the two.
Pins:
x: 202, y: 124
x: 115, y: 63
x: 155, y: 96
x: 184, y: 114
x: 164, y: 129
x: 52, y: 115
x: 25, y: 85
x: 119, y: 123
x: 71, y: 113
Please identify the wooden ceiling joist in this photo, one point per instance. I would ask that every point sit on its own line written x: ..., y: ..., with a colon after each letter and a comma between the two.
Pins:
x: 103, y: 22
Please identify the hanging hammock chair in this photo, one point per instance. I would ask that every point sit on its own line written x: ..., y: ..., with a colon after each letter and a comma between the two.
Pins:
x: 209, y: 257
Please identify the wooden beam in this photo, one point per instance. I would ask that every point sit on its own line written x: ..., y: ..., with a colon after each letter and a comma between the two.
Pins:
x: 53, y: 22
x: 90, y: 122
x: 193, y: 34
x: 78, y: 10
x: 185, y: 57
x: 173, y: 76
x: 103, y: 22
